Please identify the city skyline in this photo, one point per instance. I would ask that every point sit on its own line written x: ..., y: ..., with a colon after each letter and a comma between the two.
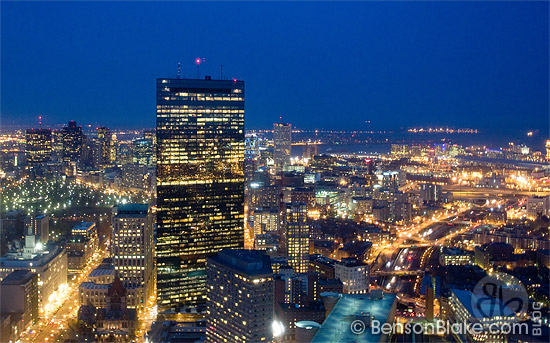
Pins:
x: 273, y: 172
x: 485, y: 66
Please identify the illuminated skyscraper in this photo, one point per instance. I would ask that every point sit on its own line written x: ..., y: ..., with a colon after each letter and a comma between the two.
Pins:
x: 200, y: 183
x: 296, y: 236
x: 73, y: 139
x: 104, y: 140
x: 282, y: 142
x: 39, y: 146
x: 240, y: 297
x: 143, y: 152
x: 133, y: 249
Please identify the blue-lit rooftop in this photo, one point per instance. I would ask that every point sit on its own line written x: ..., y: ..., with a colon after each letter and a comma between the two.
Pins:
x: 337, y: 327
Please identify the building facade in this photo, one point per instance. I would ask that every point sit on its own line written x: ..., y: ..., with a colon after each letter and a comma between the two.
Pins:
x: 200, y: 183
x: 240, y: 297
x: 296, y: 236
x: 353, y: 274
x: 73, y: 141
x: 133, y: 248
x: 38, y: 146
x: 282, y: 143
x: 19, y: 294
x: 105, y: 144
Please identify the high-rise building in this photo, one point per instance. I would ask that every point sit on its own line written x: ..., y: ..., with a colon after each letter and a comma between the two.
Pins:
x: 73, y: 139
x: 430, y: 193
x: 105, y: 141
x: 296, y: 236
x: 282, y: 142
x: 132, y: 248
x: 240, y: 297
x: 200, y: 183
x: 39, y: 146
x: 39, y: 224
x: 143, y: 152
x: 91, y: 152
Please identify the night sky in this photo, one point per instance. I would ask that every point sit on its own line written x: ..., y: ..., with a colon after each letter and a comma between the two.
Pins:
x: 318, y: 65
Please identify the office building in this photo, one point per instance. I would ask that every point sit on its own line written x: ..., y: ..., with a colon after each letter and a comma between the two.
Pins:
x: 48, y: 263
x: 81, y: 246
x: 465, y: 308
x: 105, y: 145
x: 240, y: 297
x: 38, y: 146
x: 430, y: 193
x: 85, y: 229
x: 538, y: 205
x: 133, y: 248
x: 265, y: 220
x: 143, y: 152
x: 39, y: 224
x: 19, y: 294
x: 282, y: 143
x: 296, y: 236
x: 200, y: 183
x: 454, y: 257
x: 73, y: 141
x: 353, y: 274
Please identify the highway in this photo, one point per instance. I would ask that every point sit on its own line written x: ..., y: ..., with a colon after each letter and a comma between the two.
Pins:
x: 467, y: 192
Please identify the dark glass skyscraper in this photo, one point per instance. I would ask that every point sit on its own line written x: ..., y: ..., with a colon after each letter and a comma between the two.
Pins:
x: 73, y: 139
x: 104, y: 139
x: 200, y: 183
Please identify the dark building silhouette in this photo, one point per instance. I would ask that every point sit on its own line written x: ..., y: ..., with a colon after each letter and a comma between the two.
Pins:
x: 73, y: 140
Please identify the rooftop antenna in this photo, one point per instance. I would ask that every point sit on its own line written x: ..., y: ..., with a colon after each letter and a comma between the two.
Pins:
x: 179, y: 70
x: 198, y: 61
x: 40, y: 122
x: 221, y: 71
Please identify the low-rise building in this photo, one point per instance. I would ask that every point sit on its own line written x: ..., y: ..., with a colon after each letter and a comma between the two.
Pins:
x: 353, y: 274
x: 466, y: 308
x: 454, y: 257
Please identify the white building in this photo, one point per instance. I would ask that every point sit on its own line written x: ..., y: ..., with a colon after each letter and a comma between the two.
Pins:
x: 353, y: 274
x: 49, y: 263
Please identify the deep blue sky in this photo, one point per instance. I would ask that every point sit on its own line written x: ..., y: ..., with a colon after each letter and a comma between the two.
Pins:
x: 319, y: 65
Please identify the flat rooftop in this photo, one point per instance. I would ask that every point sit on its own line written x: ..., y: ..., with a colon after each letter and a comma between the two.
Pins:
x: 84, y: 226
x: 132, y: 211
x: 337, y: 326
x: 251, y: 262
x: 17, y: 277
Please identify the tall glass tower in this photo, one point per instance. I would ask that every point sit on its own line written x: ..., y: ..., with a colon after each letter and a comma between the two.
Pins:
x: 282, y: 143
x: 200, y: 183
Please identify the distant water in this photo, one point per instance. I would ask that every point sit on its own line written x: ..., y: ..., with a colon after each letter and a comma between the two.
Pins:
x: 380, y: 143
